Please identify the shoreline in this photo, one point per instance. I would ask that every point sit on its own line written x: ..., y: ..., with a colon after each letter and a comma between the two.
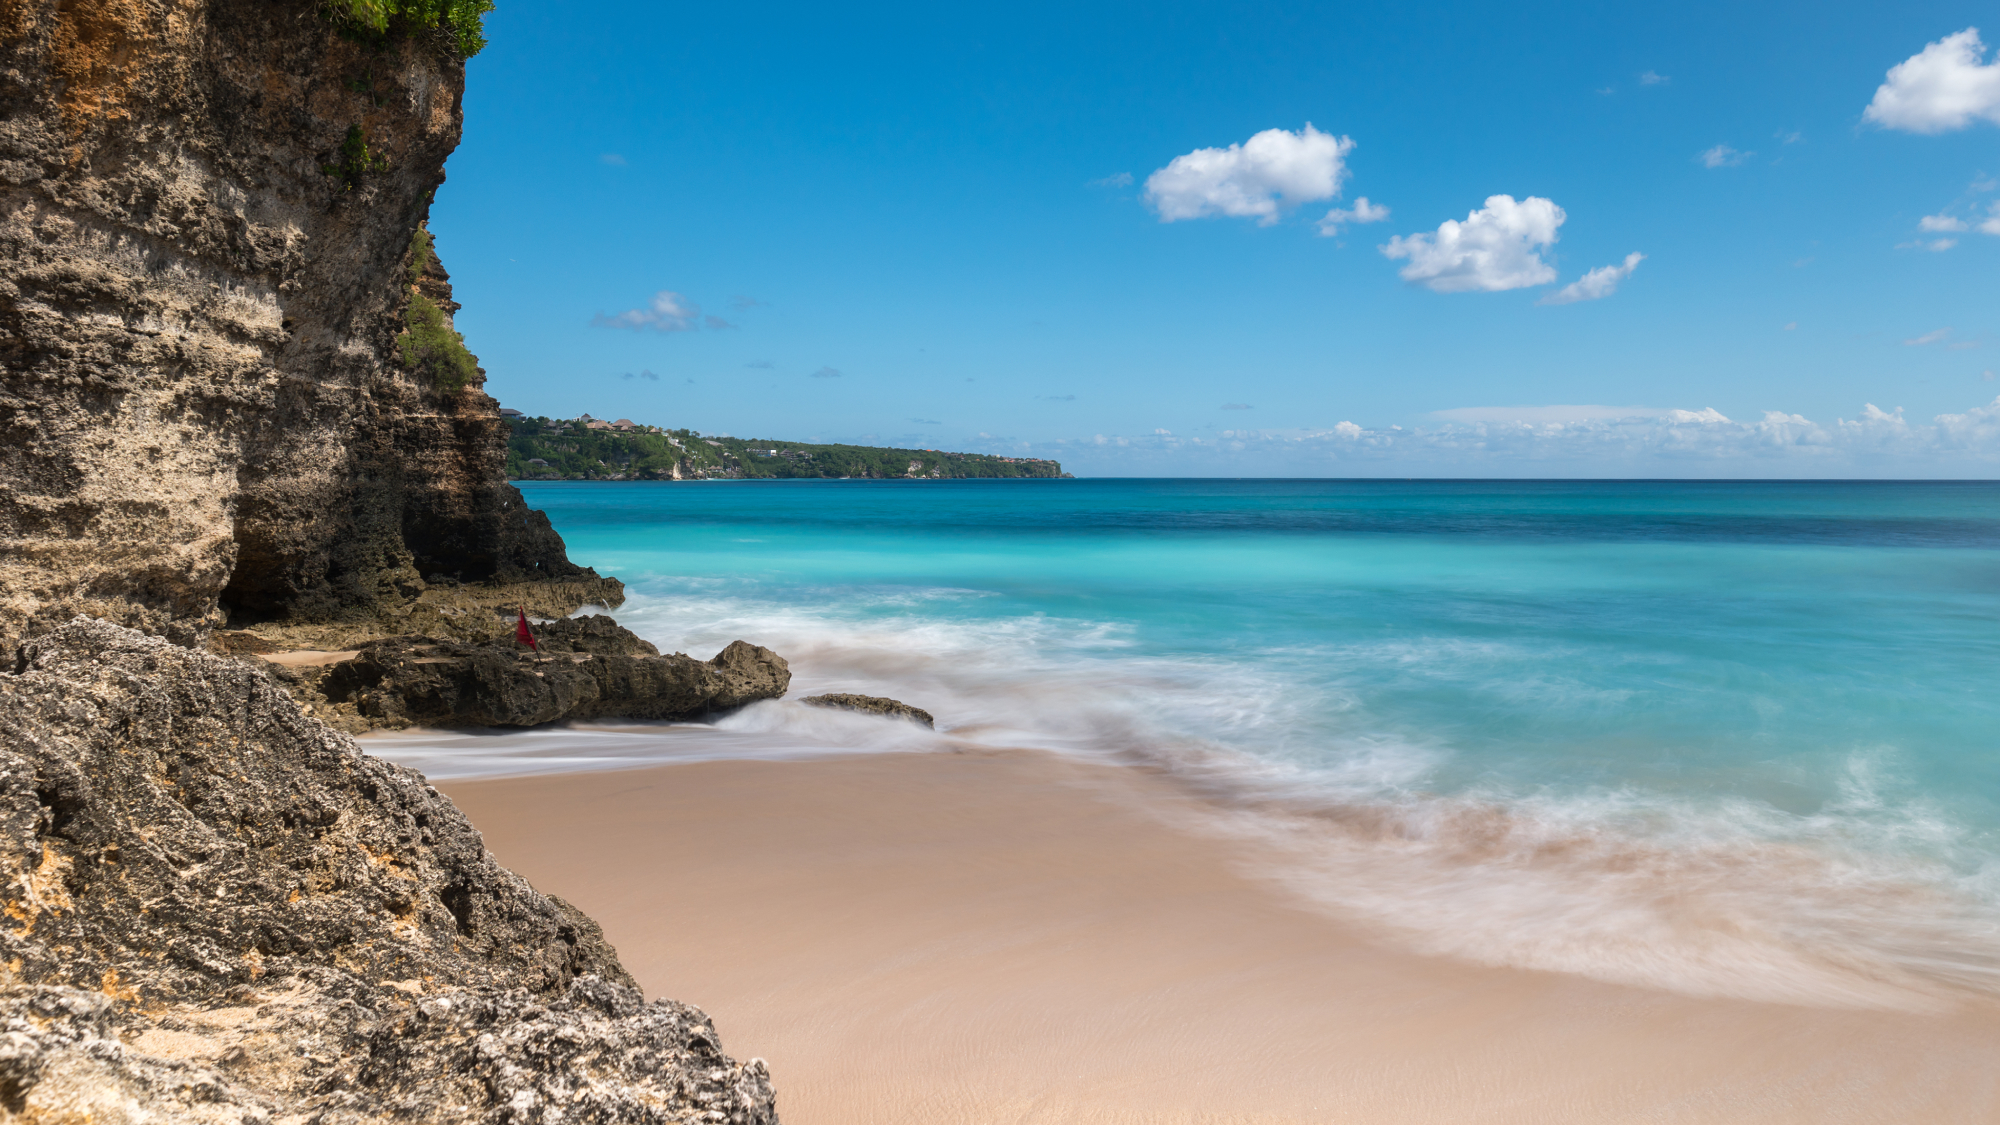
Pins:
x: 1012, y: 935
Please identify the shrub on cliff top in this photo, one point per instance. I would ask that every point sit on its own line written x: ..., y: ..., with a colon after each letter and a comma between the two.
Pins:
x: 464, y: 19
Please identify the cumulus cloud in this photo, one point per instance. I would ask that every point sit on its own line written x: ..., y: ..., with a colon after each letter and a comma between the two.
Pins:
x: 1497, y: 247
x: 1600, y: 282
x: 1943, y: 87
x: 1722, y: 156
x: 1362, y: 212
x: 1991, y: 224
x: 1651, y: 79
x: 1259, y: 179
x: 1940, y: 223
x: 668, y: 312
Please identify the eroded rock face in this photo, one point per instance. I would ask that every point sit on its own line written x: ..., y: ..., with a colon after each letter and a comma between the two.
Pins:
x: 203, y: 409
x: 588, y: 668
x: 218, y: 904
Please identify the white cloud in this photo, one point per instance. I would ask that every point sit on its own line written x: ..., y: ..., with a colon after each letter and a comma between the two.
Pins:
x: 1941, y: 88
x: 1362, y: 212
x: 1121, y: 179
x: 1935, y: 245
x: 1651, y: 79
x: 1927, y: 338
x: 668, y: 312
x: 1545, y: 414
x: 1722, y: 156
x: 1582, y: 441
x: 1789, y: 137
x: 1940, y: 223
x: 1991, y: 224
x: 1260, y: 178
x: 1497, y: 247
x: 1600, y: 282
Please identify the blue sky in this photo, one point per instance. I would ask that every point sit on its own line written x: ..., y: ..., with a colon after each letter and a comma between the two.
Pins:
x: 919, y: 226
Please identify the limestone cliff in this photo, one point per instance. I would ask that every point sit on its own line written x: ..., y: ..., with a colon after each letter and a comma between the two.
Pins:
x: 209, y: 411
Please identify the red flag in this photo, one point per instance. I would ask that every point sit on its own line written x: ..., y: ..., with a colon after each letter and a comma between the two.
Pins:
x: 521, y: 632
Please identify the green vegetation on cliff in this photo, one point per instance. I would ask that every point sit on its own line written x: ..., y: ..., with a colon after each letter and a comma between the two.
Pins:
x: 380, y: 19
x: 428, y: 342
x: 553, y: 449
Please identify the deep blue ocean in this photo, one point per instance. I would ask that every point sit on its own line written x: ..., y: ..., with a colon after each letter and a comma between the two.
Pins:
x: 1733, y: 738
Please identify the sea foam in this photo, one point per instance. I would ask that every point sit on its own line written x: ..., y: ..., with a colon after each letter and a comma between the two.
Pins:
x: 1858, y: 903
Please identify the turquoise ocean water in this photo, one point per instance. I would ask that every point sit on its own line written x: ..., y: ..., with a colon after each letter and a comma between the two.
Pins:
x: 1727, y: 738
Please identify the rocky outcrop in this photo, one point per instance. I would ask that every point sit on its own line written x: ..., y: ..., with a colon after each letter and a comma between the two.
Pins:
x: 220, y: 910
x: 232, y: 395
x: 217, y: 399
x: 872, y: 705
x: 587, y: 668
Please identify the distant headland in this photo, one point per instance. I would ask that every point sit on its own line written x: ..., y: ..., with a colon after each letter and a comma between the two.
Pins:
x: 587, y: 448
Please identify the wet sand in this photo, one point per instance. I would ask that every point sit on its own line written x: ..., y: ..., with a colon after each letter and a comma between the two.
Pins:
x: 1013, y: 937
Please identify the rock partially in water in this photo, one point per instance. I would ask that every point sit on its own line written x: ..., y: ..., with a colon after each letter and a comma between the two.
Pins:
x: 586, y: 669
x: 224, y: 911
x: 872, y: 705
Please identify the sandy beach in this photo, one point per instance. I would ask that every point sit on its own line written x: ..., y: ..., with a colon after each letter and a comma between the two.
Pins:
x: 1017, y: 937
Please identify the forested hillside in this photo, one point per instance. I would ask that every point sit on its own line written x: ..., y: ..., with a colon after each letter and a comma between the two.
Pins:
x: 557, y: 449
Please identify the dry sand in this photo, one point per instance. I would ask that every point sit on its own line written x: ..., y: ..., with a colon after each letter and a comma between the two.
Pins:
x: 309, y: 657
x: 1018, y: 938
